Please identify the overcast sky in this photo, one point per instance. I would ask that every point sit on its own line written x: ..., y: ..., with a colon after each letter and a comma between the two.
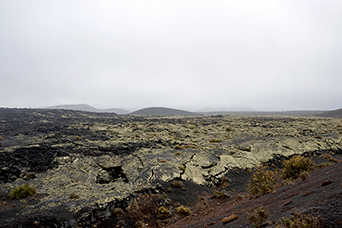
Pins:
x: 264, y: 55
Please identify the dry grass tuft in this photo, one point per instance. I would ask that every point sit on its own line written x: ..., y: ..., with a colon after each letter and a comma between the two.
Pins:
x: 295, y: 166
x: 299, y: 220
x: 258, y: 216
x: 262, y: 182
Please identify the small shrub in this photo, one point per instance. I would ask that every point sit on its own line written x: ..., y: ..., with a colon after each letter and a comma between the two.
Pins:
x: 262, y: 181
x: 178, y: 147
x: 287, y: 182
x: 299, y: 220
x: 296, y: 165
x: 160, y: 223
x: 229, y: 129
x: 323, y: 165
x: 304, y: 175
x: 169, y: 189
x: 139, y: 224
x: 190, y: 147
x: 224, y: 181
x: 239, y: 197
x: 1, y: 138
x: 201, y: 198
x: 163, y: 212
x: 22, y: 191
x: 258, y: 216
x: 73, y: 195
x: 178, y: 153
x: 177, y: 184
x: 328, y: 157
x: 77, y: 138
x: 162, y: 197
x: 220, y: 195
x: 182, y: 210
x: 118, y: 211
x: 214, y: 141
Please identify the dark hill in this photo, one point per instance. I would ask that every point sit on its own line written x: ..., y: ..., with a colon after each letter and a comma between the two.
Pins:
x: 335, y: 114
x: 162, y: 111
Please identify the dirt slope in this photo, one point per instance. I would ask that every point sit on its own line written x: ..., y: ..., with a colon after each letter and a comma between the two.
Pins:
x: 320, y: 194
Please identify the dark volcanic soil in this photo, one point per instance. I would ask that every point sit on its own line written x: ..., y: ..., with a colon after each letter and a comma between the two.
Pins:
x: 320, y: 194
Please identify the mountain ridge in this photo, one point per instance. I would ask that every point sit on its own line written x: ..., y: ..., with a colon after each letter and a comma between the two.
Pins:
x: 333, y: 113
x: 87, y: 108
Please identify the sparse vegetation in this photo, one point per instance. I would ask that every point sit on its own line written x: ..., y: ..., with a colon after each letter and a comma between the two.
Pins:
x: 122, y: 152
x: 304, y: 175
x: 287, y: 182
x: 201, y: 198
x: 328, y: 157
x: 183, y: 210
x: 162, y: 197
x: 258, y: 216
x: 160, y: 223
x: 224, y: 182
x: 190, y: 146
x: 163, y: 212
x: 239, y: 197
x: 178, y: 147
x: 177, y: 184
x: 262, y: 181
x: 22, y: 191
x: 229, y: 129
x: 295, y: 166
x: 299, y: 220
x: 74, y: 195
x: 214, y: 141
x: 322, y: 165
x: 220, y: 194
x: 139, y: 224
x: 118, y: 211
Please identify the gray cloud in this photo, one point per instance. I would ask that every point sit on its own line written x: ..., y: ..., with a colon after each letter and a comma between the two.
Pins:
x: 265, y: 55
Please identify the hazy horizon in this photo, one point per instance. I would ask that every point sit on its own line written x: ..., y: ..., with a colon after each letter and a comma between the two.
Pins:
x: 190, y: 55
x: 203, y: 110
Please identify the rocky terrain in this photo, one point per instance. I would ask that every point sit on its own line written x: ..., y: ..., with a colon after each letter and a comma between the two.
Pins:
x: 86, y: 165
